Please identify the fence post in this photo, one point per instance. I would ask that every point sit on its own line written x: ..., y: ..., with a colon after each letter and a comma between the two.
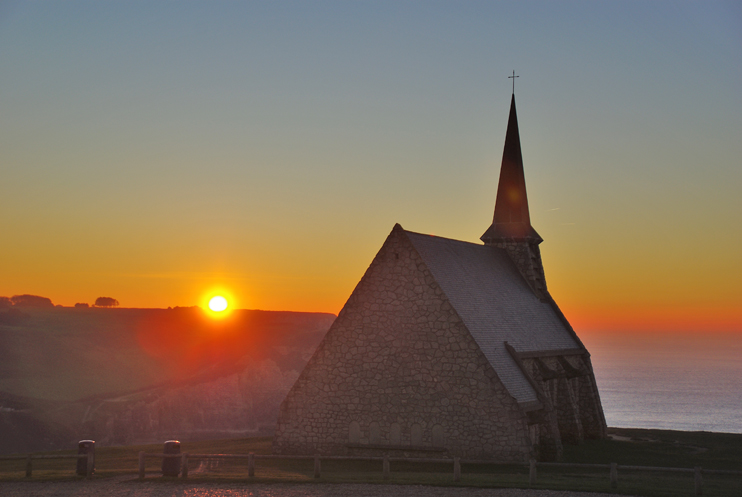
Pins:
x: 89, y: 466
x: 456, y: 468
x: 386, y: 467
x: 532, y: 472
x: 699, y: 481
x: 184, y: 466
x: 29, y: 467
x: 141, y: 465
x: 251, y: 464
x: 614, y: 475
x: 316, y: 466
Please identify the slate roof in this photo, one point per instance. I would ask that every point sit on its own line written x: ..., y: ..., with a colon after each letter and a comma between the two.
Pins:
x: 495, y: 303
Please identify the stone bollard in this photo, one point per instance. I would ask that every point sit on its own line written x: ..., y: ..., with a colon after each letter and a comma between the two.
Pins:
x: 317, y: 467
x: 29, y: 466
x: 698, y: 480
x: 385, y: 467
x: 614, y: 475
x: 456, y: 468
x: 86, y: 465
x: 141, y: 465
x: 532, y: 472
x: 251, y: 464
x: 171, y: 465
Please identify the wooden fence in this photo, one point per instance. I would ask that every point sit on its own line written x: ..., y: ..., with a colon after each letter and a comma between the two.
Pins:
x: 251, y: 458
x: 182, y: 468
x: 612, y: 469
x: 89, y: 467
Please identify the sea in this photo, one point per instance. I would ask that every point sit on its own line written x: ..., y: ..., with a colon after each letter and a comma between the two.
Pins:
x: 674, y: 381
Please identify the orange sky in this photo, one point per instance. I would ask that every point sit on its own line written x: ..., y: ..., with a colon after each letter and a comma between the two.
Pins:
x: 596, y: 289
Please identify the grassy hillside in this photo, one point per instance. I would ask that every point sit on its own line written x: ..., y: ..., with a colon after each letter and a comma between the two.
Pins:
x: 65, y: 353
x: 68, y: 354
x: 681, y: 449
x: 124, y: 376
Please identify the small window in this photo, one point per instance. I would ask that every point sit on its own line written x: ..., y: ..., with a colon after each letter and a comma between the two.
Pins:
x: 534, y: 433
x: 395, y: 434
x: 416, y: 435
x: 436, y: 435
x: 354, y: 433
x: 374, y: 434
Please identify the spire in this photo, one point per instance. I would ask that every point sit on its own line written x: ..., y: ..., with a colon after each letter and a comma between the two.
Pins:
x: 512, y: 220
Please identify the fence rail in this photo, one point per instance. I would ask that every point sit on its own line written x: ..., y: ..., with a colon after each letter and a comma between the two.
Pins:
x: 612, y: 468
x: 251, y: 457
x: 180, y: 466
x: 30, y: 457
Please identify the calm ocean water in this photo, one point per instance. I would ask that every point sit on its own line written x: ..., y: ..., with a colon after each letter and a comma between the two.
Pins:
x: 669, y: 381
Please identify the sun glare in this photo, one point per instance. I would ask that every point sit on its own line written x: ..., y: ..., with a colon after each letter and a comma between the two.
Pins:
x: 218, y: 304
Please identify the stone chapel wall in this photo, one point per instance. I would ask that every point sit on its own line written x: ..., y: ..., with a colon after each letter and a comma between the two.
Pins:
x: 398, y: 369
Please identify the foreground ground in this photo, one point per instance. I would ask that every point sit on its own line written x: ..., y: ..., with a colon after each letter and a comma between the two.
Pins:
x: 116, y: 472
x: 126, y: 487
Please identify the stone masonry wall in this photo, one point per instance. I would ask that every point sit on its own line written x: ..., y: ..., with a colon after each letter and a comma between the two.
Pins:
x: 591, y: 410
x: 527, y: 258
x: 399, y: 369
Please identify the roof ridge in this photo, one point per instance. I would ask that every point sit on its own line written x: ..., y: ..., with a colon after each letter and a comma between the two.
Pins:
x: 444, y: 238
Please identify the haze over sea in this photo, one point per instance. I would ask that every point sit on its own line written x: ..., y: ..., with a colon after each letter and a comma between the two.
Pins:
x: 674, y: 381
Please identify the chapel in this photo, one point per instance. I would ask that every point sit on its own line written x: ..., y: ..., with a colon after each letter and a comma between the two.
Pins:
x: 449, y: 348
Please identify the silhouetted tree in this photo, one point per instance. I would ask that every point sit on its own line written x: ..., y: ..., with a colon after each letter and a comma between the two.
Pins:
x: 5, y: 302
x: 106, y: 302
x: 31, y: 301
x: 82, y: 305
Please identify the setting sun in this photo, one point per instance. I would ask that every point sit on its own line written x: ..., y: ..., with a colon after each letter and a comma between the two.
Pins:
x: 218, y: 304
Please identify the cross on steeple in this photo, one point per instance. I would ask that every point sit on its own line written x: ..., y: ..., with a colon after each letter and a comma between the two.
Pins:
x: 513, y: 78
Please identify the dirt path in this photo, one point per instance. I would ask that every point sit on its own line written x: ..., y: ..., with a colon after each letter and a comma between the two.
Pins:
x: 127, y: 487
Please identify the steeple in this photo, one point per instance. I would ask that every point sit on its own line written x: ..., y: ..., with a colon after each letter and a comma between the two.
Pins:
x: 511, y: 228
x: 512, y: 220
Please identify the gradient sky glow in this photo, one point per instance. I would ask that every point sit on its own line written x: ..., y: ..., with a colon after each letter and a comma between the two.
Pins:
x: 154, y: 151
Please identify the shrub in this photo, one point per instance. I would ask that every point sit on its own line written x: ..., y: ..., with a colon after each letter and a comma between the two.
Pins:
x: 106, y: 302
x: 31, y: 301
